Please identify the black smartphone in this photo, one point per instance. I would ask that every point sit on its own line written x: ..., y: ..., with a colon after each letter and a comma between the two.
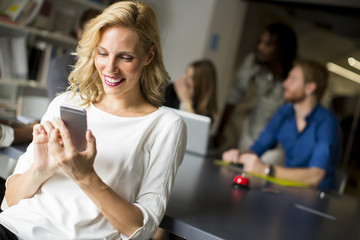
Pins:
x: 76, y: 123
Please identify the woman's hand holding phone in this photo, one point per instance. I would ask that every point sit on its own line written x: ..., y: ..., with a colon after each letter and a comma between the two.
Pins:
x: 77, y: 164
x: 64, y: 143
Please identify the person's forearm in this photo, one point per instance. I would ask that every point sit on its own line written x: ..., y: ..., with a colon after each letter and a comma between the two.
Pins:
x: 124, y: 216
x: 22, y: 135
x: 312, y: 176
x: 189, y: 106
x: 20, y: 186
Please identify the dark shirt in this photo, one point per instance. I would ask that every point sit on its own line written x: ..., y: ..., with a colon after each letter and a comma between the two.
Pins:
x: 318, y: 145
x: 171, y: 98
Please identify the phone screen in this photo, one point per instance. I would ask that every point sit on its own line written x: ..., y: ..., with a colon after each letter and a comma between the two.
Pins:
x: 75, y: 121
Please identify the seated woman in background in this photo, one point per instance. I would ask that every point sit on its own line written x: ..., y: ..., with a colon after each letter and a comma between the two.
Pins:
x: 195, y: 90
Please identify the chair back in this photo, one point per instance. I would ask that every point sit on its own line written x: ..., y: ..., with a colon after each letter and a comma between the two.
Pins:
x: 198, y: 131
x: 340, y: 181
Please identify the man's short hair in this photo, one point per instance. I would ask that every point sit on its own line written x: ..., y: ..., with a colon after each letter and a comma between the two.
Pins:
x: 286, y: 42
x: 314, y: 72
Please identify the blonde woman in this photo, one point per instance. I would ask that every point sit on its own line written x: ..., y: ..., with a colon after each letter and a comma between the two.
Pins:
x: 195, y: 90
x: 119, y: 186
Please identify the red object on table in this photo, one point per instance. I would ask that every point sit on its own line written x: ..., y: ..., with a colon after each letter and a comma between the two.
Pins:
x: 240, y: 180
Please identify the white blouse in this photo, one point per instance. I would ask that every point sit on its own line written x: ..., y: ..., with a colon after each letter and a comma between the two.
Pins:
x: 137, y: 157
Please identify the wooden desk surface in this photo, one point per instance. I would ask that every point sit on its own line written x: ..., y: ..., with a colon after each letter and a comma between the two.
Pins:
x: 204, y: 205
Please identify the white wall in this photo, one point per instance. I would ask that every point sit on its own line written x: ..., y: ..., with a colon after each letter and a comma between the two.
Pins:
x: 227, y: 23
x: 184, y: 27
x: 188, y: 28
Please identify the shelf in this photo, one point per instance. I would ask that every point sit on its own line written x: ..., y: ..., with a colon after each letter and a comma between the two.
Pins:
x: 13, y: 29
x: 87, y: 3
x: 52, y: 37
x: 35, y: 32
x: 21, y: 83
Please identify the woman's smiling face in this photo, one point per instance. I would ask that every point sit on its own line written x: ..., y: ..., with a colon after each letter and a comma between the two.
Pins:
x: 119, y: 60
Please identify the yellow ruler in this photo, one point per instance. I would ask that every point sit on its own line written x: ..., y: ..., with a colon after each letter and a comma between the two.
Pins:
x: 278, y: 181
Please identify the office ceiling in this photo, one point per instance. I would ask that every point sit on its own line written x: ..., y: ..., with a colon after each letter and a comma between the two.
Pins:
x: 321, y: 3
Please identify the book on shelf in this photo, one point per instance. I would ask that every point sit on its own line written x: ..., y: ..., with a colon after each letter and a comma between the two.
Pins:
x: 19, y: 59
x: 5, y: 58
x: 35, y: 53
x: 13, y: 57
x: 20, y: 11
x: 43, y: 17
x: 16, y: 63
x: 44, y: 65
x: 40, y: 57
x: 35, y: 59
x: 30, y: 12
x: 2, y: 65
x: 15, y: 8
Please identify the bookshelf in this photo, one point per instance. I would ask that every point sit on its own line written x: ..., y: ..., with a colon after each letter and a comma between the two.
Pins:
x: 47, y: 29
x: 53, y: 27
x: 50, y: 37
x: 88, y: 4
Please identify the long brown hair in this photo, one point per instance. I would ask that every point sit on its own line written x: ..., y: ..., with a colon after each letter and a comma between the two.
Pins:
x: 205, y: 87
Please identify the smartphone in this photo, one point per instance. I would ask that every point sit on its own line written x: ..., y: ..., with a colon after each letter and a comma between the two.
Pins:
x: 76, y: 123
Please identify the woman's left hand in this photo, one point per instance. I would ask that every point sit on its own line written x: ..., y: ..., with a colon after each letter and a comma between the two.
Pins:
x: 78, y: 165
x: 184, y: 88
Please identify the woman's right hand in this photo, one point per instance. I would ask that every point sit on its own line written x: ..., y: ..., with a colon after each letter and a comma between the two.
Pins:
x: 42, y: 163
x: 25, y: 185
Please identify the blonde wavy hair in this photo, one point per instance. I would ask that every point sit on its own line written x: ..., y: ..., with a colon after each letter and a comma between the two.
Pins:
x: 138, y: 17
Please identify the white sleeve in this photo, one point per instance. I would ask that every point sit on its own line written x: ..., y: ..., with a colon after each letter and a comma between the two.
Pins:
x: 166, y: 156
x: 6, y: 135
